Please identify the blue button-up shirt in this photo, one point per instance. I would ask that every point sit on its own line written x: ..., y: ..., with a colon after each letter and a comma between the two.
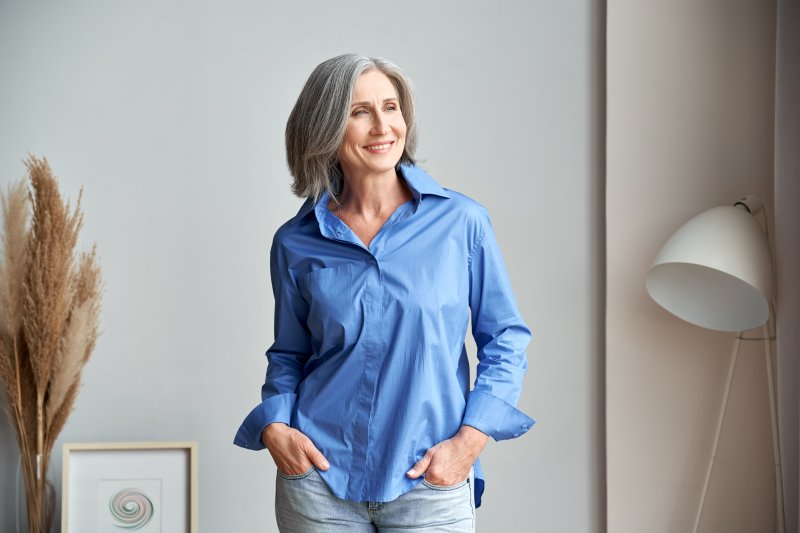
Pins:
x: 369, y: 358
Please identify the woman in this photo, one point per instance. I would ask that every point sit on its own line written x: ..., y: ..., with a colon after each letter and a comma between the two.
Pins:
x: 366, y: 408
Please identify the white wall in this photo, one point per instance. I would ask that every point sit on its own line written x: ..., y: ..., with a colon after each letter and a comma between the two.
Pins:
x: 171, y: 115
x: 689, y: 127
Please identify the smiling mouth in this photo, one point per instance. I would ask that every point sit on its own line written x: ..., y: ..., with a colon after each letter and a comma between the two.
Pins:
x: 379, y: 147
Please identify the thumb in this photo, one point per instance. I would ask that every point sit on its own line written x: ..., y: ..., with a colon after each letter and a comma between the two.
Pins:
x: 315, y: 456
x: 422, y: 465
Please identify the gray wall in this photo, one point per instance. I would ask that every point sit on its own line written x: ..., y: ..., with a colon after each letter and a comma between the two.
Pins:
x: 171, y: 115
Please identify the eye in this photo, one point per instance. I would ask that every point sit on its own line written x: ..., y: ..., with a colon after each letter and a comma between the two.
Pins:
x: 391, y: 107
x: 360, y: 112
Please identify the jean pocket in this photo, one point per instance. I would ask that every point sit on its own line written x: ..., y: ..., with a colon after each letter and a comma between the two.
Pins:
x: 444, y: 487
x: 295, y: 477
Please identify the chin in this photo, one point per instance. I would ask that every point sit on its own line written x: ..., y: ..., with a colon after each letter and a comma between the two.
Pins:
x: 384, y: 167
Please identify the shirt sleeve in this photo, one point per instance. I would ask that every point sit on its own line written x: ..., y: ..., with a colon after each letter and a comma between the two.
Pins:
x: 501, y: 337
x: 286, y: 357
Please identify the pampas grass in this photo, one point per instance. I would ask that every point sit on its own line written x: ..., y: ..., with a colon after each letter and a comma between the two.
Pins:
x: 49, y: 316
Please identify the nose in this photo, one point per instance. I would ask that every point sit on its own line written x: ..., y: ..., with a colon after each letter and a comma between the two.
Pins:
x: 379, y: 125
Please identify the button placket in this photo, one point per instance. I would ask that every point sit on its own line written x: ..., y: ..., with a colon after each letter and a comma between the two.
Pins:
x: 372, y: 357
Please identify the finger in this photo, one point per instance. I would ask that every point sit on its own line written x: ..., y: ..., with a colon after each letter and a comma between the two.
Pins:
x: 421, y: 466
x: 314, y: 455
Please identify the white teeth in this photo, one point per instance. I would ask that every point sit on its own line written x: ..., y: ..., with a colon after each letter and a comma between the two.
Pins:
x: 379, y: 146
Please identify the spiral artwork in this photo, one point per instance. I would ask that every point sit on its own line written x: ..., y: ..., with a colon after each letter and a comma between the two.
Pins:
x: 131, y: 509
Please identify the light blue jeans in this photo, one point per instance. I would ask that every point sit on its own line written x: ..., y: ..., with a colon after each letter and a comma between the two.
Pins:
x: 305, y: 504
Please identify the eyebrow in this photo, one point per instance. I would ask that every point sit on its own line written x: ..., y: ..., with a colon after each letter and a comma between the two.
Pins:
x: 393, y: 98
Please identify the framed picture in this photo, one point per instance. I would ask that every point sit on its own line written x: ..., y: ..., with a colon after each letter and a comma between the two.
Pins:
x: 147, y: 487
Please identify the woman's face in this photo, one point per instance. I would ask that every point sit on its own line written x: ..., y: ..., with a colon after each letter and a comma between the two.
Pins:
x: 376, y: 130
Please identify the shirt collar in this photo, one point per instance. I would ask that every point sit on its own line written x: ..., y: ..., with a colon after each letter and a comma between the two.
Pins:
x: 419, y: 181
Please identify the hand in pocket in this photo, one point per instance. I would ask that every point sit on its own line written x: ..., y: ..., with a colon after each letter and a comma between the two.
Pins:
x: 292, y: 451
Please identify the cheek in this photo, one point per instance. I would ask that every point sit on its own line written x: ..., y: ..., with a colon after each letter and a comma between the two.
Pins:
x: 349, y: 143
x: 401, y: 127
x: 350, y: 130
x: 401, y: 132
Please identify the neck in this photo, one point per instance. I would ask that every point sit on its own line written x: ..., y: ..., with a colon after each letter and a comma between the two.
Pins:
x: 370, y: 195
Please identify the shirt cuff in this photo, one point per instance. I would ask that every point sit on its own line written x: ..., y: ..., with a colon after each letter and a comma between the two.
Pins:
x: 274, y: 409
x: 495, y: 417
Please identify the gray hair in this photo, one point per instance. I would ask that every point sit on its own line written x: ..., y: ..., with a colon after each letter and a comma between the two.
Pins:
x: 318, y: 121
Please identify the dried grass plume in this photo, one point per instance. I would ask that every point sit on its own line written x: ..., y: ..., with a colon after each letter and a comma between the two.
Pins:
x: 49, y: 318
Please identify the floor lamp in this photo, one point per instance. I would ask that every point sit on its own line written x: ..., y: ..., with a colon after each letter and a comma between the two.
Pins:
x: 716, y: 272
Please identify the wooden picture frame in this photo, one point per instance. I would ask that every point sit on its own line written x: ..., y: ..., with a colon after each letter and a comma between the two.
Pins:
x: 148, y: 487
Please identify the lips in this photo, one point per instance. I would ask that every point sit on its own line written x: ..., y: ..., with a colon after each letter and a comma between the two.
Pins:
x: 379, y: 147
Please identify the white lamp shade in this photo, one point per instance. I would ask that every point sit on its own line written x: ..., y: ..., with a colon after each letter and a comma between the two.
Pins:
x: 715, y: 271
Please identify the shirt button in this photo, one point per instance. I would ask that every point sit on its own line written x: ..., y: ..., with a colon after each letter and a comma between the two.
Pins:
x: 516, y: 434
x: 524, y: 426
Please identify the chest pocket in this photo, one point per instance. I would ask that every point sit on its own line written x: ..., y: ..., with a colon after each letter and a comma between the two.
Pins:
x: 329, y: 293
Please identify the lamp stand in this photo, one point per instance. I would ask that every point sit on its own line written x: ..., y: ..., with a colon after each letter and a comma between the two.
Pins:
x: 776, y: 451
x: 725, y: 395
x: 774, y: 420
